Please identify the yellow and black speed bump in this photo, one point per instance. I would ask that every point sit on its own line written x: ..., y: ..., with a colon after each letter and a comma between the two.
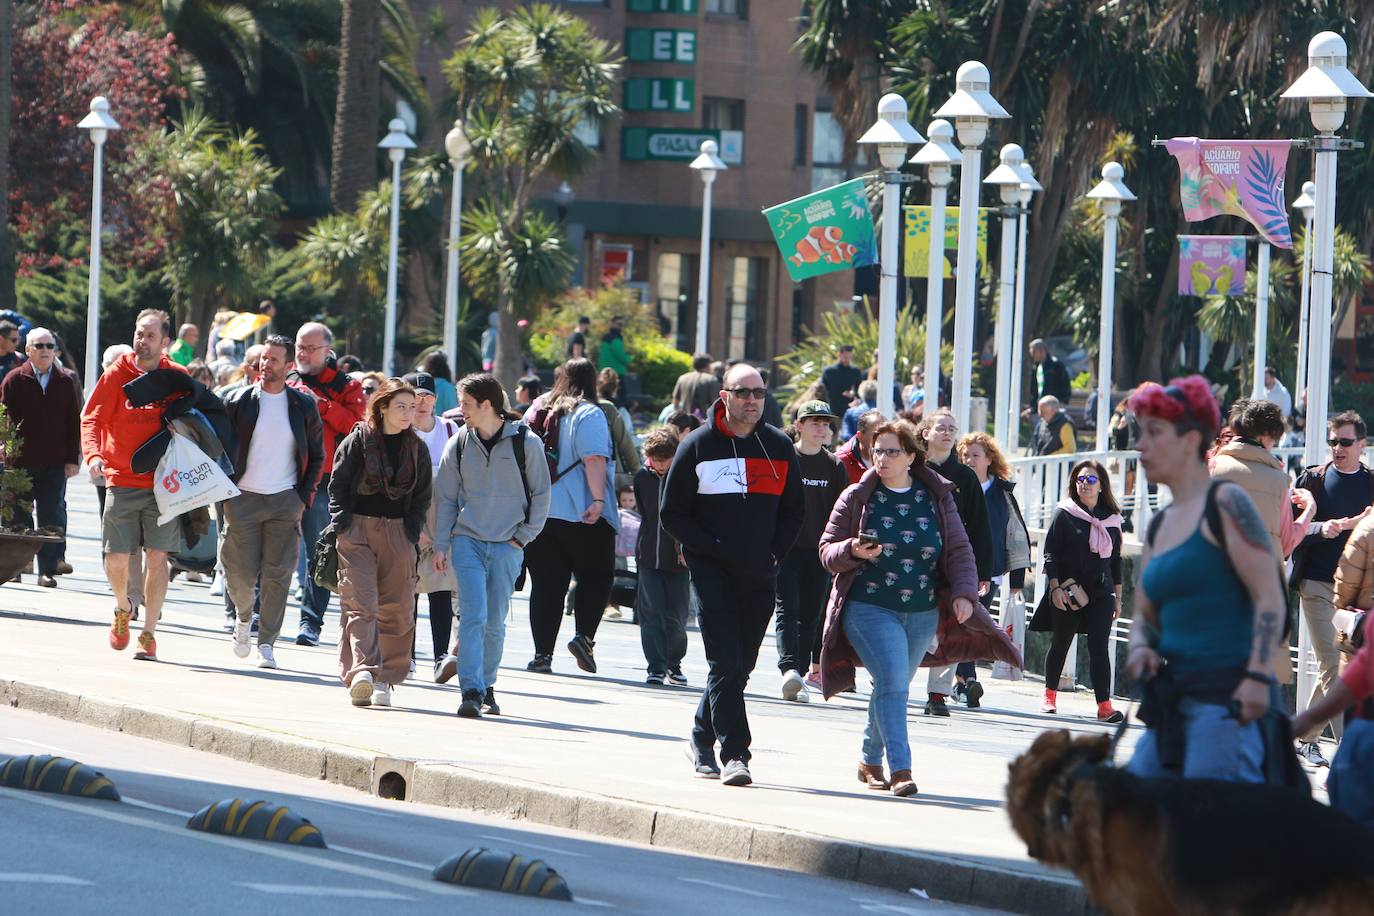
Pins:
x: 259, y: 820
x: 493, y: 870
x: 45, y: 773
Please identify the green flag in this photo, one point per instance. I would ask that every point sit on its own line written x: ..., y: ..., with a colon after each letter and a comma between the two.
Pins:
x: 827, y: 231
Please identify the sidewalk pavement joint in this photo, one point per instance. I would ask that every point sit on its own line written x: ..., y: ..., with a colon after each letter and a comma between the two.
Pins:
x: 942, y: 877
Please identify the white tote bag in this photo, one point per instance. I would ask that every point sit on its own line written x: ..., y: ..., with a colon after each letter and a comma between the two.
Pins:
x: 187, y: 479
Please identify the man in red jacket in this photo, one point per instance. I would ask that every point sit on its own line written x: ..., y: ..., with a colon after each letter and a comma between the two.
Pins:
x: 342, y: 404
x: 44, y: 401
x: 111, y: 431
x: 854, y: 454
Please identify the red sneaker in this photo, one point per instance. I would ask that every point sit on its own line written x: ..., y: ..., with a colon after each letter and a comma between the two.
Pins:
x: 147, y: 648
x: 119, y: 631
x: 1050, y: 704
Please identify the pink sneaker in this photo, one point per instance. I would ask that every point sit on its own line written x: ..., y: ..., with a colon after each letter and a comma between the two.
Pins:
x: 813, y: 679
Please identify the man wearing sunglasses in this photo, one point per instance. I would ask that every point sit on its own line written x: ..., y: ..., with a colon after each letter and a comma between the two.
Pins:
x: 1344, y: 491
x: 44, y: 402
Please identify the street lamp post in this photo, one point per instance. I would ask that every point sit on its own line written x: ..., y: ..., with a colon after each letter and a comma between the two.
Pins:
x: 891, y: 134
x: 1307, y: 206
x: 939, y: 156
x: 99, y: 123
x: 1110, y: 193
x: 1326, y: 84
x: 562, y: 199
x: 395, y: 143
x: 458, y: 148
x: 971, y: 107
x: 1007, y: 178
x: 1261, y: 321
x: 1018, y: 325
x: 706, y: 165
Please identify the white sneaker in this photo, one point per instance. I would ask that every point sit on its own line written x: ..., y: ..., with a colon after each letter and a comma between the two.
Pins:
x: 217, y: 586
x: 265, y: 657
x: 194, y: 577
x: 794, y: 687
x: 381, y: 695
x: 360, y: 691
x: 241, y: 633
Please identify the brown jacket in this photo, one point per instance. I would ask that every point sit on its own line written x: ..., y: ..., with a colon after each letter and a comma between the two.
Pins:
x: 1262, y: 476
x: 1355, y: 571
x: 977, y: 638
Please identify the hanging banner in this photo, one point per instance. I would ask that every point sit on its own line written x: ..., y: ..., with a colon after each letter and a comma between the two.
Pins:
x: 827, y: 231
x: 1237, y: 178
x: 1211, y: 265
x: 916, y: 240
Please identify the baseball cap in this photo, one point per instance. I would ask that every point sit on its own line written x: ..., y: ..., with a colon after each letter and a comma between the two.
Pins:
x: 815, y: 409
x: 846, y: 347
x: 420, y: 381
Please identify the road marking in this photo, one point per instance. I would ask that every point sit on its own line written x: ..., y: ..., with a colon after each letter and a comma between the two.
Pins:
x: 513, y: 840
x: 24, y: 877
x: 162, y: 809
x: 322, y: 890
x: 587, y: 901
x: 354, y: 807
x: 47, y: 748
x: 729, y: 887
x: 266, y: 849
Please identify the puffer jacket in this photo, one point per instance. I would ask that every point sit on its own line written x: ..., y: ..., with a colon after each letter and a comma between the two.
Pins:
x: 1355, y: 572
x: 1251, y: 467
x: 978, y: 638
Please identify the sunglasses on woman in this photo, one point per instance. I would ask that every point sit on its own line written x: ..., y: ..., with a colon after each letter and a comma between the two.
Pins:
x: 1089, y: 479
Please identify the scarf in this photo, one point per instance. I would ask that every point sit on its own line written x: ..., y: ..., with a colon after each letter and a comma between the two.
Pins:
x: 1099, y: 539
x: 378, y: 474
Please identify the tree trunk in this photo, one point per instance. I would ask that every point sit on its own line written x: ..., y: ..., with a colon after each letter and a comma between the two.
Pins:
x: 510, y: 363
x: 353, y: 168
x: 7, y: 296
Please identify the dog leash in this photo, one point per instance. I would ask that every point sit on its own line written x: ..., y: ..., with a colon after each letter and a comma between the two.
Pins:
x: 1131, y: 702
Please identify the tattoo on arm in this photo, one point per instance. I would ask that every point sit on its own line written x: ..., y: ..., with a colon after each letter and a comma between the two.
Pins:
x: 1237, y: 506
x: 1266, y: 635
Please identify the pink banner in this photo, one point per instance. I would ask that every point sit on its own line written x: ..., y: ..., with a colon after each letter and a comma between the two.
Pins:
x: 1237, y: 178
x: 1211, y: 265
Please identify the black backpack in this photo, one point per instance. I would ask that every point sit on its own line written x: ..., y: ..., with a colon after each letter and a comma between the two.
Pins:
x: 519, y: 446
x: 543, y: 422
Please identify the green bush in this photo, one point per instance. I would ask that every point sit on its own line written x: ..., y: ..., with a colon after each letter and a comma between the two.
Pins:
x: 658, y: 364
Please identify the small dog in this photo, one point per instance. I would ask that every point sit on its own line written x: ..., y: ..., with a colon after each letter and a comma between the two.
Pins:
x: 1152, y: 847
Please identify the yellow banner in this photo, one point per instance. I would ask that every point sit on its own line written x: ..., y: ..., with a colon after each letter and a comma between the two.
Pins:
x: 916, y: 240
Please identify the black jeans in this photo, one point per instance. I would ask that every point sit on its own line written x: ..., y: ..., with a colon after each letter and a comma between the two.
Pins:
x: 734, y: 618
x: 564, y: 549
x: 803, y: 587
x: 440, y: 622
x: 50, y: 510
x: 1098, y: 614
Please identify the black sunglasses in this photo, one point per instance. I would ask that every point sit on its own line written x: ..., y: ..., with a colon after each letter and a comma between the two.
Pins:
x: 757, y: 394
x: 1087, y: 478
x: 44, y: 345
x: 1343, y: 443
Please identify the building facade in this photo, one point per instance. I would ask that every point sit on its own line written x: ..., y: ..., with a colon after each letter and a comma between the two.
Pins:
x: 698, y: 69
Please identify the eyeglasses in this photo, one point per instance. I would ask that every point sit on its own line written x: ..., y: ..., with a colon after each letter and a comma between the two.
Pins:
x: 44, y: 345
x: 1089, y: 479
x: 303, y: 349
x: 944, y: 429
x: 757, y: 394
x: 1343, y: 443
x: 887, y: 452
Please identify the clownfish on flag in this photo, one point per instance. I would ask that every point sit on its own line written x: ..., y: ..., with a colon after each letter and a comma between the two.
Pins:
x: 826, y: 231
x: 823, y: 243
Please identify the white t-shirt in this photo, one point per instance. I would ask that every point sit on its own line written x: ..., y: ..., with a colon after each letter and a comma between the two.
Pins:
x: 272, y: 453
x: 437, y: 438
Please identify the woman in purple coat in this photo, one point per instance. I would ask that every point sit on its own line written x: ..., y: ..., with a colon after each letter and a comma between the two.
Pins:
x: 903, y: 570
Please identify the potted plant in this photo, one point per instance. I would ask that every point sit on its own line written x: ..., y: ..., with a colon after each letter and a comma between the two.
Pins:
x: 18, y: 542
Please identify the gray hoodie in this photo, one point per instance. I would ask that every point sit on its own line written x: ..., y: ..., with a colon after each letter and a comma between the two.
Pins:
x: 484, y: 499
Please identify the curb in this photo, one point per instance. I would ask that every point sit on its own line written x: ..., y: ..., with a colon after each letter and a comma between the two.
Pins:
x: 946, y: 878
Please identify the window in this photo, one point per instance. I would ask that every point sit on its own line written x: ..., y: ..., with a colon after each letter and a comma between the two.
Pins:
x: 799, y: 137
x: 675, y: 295
x: 722, y: 114
x: 827, y: 150
x: 737, y: 8
x: 589, y: 132
x: 743, y: 295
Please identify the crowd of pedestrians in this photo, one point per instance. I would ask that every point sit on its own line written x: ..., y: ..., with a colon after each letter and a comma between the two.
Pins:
x: 881, y: 548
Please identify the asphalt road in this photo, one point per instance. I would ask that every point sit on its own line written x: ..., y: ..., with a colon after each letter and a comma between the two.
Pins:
x: 82, y: 856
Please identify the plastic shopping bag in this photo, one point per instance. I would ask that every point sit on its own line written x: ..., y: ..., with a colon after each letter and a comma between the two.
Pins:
x: 187, y: 479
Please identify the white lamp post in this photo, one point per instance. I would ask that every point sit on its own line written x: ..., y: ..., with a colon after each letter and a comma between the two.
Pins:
x: 1007, y: 178
x: 1110, y: 193
x: 1261, y: 320
x: 971, y: 107
x: 395, y: 143
x: 458, y: 148
x: 1018, y: 325
x: 1306, y: 204
x: 99, y: 123
x: 706, y: 165
x: 891, y: 134
x: 939, y: 156
x: 1326, y: 85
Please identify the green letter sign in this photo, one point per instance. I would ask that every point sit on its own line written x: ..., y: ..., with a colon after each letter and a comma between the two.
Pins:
x: 659, y: 95
x: 676, y: 46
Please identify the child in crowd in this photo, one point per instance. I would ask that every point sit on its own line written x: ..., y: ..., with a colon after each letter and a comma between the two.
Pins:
x: 625, y: 539
x: 664, y: 592
x: 1351, y: 783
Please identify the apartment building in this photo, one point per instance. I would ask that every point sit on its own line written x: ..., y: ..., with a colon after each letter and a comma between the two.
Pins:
x: 693, y: 70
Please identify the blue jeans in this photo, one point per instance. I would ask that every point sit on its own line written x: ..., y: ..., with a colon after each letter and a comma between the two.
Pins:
x: 1351, y: 783
x: 1215, y: 747
x: 891, y: 645
x: 314, y: 520
x: 486, y: 572
x: 662, y: 609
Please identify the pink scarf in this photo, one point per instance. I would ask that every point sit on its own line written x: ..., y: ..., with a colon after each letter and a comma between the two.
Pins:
x: 1099, y: 539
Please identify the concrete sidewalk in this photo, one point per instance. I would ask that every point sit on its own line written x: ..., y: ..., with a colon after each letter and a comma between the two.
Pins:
x: 602, y: 754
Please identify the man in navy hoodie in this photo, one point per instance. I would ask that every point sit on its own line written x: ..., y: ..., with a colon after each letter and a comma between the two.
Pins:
x: 734, y: 501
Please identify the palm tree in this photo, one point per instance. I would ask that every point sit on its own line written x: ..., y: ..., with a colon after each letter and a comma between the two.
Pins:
x: 6, y: 247
x: 524, y: 82
x: 354, y: 161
